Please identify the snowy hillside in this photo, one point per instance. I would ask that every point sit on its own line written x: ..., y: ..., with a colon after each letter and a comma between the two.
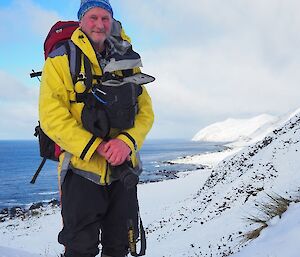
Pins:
x: 210, y: 223
x: 203, y: 212
x: 232, y: 130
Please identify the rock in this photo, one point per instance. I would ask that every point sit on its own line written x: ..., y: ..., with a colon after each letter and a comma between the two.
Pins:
x: 36, y: 206
x: 54, y: 202
x: 16, y: 212
x: 4, y: 211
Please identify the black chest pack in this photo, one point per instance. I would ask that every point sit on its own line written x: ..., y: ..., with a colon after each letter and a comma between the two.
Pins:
x: 110, y: 100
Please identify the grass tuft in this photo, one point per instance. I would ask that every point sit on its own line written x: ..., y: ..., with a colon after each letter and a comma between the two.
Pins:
x: 275, y: 205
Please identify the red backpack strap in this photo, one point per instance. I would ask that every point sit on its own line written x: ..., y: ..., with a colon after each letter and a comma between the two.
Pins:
x: 59, y: 33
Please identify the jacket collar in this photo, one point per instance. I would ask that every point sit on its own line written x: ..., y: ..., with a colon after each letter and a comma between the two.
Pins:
x: 120, y: 55
x: 80, y: 39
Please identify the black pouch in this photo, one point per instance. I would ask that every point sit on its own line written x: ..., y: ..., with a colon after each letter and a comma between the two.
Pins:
x: 119, y: 102
x: 94, y: 117
x: 47, y: 145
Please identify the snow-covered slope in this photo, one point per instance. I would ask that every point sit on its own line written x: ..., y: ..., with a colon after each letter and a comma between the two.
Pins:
x: 232, y: 130
x: 203, y: 212
x: 211, y: 222
x: 279, y: 238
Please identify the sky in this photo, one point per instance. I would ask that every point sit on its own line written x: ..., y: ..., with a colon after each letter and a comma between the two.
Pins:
x: 212, y: 59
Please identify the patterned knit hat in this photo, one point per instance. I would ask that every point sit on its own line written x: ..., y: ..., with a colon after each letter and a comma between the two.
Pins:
x: 89, y: 4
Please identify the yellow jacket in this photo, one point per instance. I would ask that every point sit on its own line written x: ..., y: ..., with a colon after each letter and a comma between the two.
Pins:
x: 60, y: 114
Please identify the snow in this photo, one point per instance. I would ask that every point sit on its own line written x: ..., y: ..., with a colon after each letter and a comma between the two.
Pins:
x: 202, y: 213
x: 234, y: 129
x: 279, y: 239
x: 11, y: 252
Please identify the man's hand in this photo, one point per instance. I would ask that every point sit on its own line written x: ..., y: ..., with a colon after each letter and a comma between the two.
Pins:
x: 115, y: 151
x: 100, y: 148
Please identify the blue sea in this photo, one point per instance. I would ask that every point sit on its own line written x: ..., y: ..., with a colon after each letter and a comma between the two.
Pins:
x: 20, y: 159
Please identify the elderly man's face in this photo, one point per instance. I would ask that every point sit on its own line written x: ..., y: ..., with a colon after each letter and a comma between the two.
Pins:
x: 96, y: 23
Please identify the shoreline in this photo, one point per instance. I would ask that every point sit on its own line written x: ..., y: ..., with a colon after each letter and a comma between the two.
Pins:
x: 19, y: 193
x: 17, y: 212
x: 202, y: 161
x: 41, y: 226
x: 35, y: 208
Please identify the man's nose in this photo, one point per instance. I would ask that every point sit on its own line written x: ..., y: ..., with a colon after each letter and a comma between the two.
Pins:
x: 100, y: 24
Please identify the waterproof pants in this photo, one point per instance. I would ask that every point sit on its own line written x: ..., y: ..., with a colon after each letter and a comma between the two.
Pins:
x: 87, y: 209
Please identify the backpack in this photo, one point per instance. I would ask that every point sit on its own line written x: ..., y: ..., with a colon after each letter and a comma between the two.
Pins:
x: 58, y: 35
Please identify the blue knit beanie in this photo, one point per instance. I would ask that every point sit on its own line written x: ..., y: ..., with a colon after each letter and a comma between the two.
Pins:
x: 89, y: 4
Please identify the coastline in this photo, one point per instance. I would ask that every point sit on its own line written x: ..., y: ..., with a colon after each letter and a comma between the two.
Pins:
x: 18, y: 192
x: 209, y: 160
x: 202, y: 161
x: 166, y: 170
x: 34, y: 208
x: 41, y: 225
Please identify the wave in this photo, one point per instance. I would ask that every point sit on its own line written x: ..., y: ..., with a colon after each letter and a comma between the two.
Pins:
x: 48, y: 193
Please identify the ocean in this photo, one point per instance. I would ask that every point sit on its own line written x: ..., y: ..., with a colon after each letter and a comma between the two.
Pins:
x: 20, y: 159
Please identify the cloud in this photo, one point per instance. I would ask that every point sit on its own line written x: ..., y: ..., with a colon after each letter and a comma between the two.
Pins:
x: 219, y: 59
x: 197, y: 79
x: 24, y: 19
x: 18, y: 108
x: 12, y: 90
x: 272, y: 23
x: 211, y: 59
x: 25, y: 25
x: 18, y: 121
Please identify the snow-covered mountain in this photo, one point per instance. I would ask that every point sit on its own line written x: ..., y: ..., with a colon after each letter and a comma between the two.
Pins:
x: 232, y: 130
x: 203, y: 212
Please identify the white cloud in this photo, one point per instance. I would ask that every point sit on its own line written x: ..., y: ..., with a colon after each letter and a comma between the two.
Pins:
x: 24, y: 23
x: 18, y: 121
x: 18, y: 108
x: 12, y: 90
x: 24, y: 19
x: 215, y: 58
x: 221, y: 58
x: 224, y: 80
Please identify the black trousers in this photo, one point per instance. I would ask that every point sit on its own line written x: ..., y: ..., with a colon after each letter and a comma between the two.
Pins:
x: 87, y: 209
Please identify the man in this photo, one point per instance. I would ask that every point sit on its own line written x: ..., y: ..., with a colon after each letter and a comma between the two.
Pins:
x: 93, y: 199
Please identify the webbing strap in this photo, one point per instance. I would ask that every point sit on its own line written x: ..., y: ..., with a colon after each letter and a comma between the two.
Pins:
x: 143, y: 239
x: 38, y: 171
x: 88, y: 73
x: 65, y: 166
x: 74, y: 55
x: 80, y: 97
x: 132, y: 241
x: 66, y: 161
x: 132, y: 238
x: 72, y: 59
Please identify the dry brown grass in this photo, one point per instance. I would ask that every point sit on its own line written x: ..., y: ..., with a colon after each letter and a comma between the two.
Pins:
x: 275, y: 205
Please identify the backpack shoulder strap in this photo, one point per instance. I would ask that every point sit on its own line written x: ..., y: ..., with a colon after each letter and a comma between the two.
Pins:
x: 75, y: 61
x: 74, y: 56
